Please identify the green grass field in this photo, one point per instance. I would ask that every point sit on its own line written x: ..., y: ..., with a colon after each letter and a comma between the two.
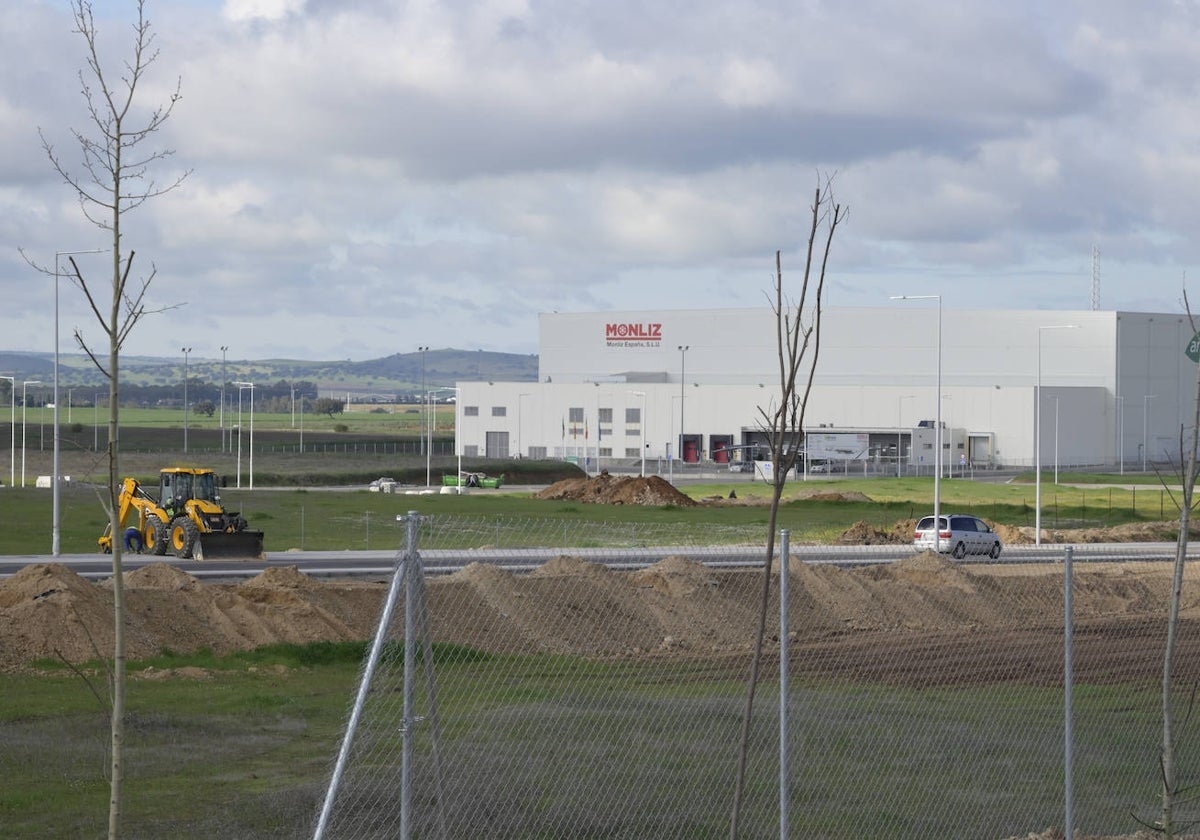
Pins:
x: 318, y: 519
x: 245, y: 749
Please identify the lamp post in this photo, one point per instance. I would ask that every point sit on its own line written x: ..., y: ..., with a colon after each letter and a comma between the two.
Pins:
x: 683, y: 348
x: 55, y: 471
x: 424, y: 406
x: 429, y: 448
x: 642, y: 426
x: 241, y: 386
x: 12, y: 432
x: 24, y: 409
x: 1145, y: 427
x: 937, y: 431
x: 224, y: 350
x: 1037, y: 433
x: 185, y: 351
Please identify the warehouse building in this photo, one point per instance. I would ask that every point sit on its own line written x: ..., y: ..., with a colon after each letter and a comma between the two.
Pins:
x: 693, y: 386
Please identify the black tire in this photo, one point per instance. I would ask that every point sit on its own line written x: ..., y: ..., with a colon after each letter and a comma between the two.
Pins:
x: 183, y: 537
x: 960, y: 551
x: 155, y: 535
x: 995, y: 552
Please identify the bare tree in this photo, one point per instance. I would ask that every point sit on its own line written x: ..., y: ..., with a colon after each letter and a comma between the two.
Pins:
x: 798, y: 336
x: 113, y: 177
x: 1187, y: 452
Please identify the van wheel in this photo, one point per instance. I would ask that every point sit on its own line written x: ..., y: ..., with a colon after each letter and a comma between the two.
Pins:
x: 995, y: 552
x: 960, y: 551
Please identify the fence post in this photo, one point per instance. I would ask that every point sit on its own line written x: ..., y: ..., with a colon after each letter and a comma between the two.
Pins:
x: 1068, y: 691
x: 784, y: 674
x: 398, y: 578
x: 409, y: 722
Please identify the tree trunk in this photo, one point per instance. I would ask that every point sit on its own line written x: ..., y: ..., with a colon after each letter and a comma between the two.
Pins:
x: 1170, y: 782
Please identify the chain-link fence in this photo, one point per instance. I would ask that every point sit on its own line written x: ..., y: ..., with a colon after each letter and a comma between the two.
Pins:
x: 582, y: 682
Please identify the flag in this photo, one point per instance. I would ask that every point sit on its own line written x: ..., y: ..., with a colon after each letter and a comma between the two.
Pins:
x: 564, y: 432
x: 585, y: 429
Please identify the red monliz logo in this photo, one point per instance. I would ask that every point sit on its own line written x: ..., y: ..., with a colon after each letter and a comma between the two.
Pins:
x: 633, y: 332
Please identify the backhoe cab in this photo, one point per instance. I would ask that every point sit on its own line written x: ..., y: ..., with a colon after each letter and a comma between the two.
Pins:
x: 186, y: 519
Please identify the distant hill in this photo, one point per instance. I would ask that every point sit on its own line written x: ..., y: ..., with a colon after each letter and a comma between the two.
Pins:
x: 400, y: 372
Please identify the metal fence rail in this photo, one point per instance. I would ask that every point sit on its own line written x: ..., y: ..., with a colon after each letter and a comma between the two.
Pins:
x: 910, y: 701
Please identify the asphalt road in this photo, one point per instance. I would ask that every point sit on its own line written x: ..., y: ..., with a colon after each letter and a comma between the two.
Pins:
x: 379, y: 564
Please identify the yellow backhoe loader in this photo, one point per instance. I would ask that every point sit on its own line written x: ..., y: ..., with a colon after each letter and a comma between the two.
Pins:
x: 186, y: 519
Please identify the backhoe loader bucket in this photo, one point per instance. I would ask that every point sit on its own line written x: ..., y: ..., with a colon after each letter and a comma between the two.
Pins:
x: 243, y: 544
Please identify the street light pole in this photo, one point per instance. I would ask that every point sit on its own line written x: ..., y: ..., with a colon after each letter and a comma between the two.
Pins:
x: 424, y: 399
x: 186, y: 351
x: 12, y: 432
x: 1037, y: 433
x: 683, y: 348
x: 937, y: 431
x: 224, y: 350
x: 24, y: 409
x: 241, y: 386
x: 54, y: 539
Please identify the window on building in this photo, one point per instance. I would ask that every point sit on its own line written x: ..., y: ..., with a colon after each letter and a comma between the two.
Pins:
x: 605, y: 452
x: 633, y: 453
x: 575, y: 415
x: 537, y: 453
x: 633, y: 415
x: 470, y: 411
x: 499, y: 411
x: 605, y: 415
x: 471, y: 451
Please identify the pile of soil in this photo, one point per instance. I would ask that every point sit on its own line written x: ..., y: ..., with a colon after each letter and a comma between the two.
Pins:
x: 677, y: 607
x: 863, y: 533
x: 604, y: 489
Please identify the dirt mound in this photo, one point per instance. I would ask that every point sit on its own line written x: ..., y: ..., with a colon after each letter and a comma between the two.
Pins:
x: 604, y: 489
x: 43, y: 580
x: 674, y: 575
x: 158, y: 576
x: 572, y: 566
x: 281, y: 577
x: 678, y: 606
x: 832, y: 496
x: 863, y: 533
x: 928, y: 569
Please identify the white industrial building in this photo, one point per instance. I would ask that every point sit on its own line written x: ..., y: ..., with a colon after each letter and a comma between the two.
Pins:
x: 614, y: 387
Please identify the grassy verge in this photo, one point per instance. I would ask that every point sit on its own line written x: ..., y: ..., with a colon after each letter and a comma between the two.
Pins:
x: 244, y: 748
x: 356, y: 520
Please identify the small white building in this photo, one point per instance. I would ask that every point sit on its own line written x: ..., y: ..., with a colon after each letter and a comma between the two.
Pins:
x: 1117, y: 388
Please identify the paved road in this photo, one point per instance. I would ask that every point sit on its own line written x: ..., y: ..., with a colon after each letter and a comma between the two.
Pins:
x: 379, y: 564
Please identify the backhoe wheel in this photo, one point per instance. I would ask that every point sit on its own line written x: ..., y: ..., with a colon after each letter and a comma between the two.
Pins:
x: 156, y: 535
x: 183, y: 537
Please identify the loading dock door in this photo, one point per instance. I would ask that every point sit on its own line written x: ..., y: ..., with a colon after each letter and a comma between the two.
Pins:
x: 496, y: 445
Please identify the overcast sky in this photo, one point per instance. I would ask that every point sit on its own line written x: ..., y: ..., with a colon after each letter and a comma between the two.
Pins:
x: 369, y: 176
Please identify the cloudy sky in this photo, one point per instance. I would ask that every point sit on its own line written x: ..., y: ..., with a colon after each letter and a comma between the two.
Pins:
x: 369, y: 176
